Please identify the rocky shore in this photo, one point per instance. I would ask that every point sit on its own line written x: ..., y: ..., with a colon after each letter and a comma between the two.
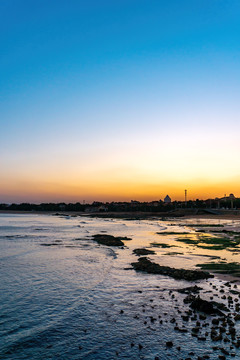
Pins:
x: 146, y: 265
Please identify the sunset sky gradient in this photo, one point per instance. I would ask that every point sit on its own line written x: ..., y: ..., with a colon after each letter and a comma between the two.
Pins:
x: 119, y: 100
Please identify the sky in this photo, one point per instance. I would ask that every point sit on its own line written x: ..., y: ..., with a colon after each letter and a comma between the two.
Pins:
x: 119, y: 100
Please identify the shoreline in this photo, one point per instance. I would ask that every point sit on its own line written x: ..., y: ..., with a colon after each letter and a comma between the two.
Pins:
x: 128, y: 215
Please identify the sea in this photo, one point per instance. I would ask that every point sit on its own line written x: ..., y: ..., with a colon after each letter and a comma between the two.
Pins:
x: 63, y: 296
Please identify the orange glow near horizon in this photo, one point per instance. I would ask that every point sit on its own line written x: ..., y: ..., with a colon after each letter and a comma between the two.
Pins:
x: 112, y: 190
x: 146, y: 170
x: 142, y: 168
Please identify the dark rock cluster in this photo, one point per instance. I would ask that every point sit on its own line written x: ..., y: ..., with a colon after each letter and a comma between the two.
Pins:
x: 150, y: 267
x: 109, y: 240
x: 207, y: 307
x: 143, y: 251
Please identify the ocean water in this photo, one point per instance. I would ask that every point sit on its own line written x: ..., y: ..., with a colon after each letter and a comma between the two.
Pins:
x: 63, y: 296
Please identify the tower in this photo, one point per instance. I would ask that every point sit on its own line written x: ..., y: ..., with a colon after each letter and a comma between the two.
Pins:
x: 185, y: 191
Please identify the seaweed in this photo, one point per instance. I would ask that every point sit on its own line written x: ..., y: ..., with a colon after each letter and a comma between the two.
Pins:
x: 204, y: 225
x: 188, y: 241
x: 216, y: 240
x: 173, y: 253
x: 211, y: 247
x: 211, y: 242
x: 229, y: 232
x: 232, y: 268
x: 161, y: 245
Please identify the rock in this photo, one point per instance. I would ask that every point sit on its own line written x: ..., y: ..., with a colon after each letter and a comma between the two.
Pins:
x: 152, y: 319
x: 182, y: 330
x: 108, y: 240
x: 188, y: 299
x: 145, y: 265
x: 216, y: 337
x: 232, y: 330
x: 189, y: 290
x: 169, y: 344
x: 195, y: 329
x: 207, y: 307
x: 143, y: 251
x: 222, y: 329
x: 225, y: 352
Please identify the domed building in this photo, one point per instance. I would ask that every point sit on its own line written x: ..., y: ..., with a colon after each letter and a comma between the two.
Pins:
x: 167, y: 200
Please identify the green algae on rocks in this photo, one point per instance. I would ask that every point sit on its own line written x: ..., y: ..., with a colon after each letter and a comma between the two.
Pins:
x: 173, y: 253
x: 204, y: 225
x: 161, y: 245
x: 211, y: 242
x: 188, y: 241
x: 232, y: 268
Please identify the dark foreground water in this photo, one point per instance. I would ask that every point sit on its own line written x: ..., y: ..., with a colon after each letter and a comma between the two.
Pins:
x: 63, y: 296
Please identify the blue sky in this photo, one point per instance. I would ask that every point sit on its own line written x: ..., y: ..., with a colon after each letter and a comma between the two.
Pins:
x: 101, y: 80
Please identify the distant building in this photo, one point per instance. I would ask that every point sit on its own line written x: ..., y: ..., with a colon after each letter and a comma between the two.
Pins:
x: 223, y: 201
x: 227, y: 198
x: 167, y: 200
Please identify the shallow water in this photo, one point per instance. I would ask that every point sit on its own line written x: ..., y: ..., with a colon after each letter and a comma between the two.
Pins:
x: 75, y: 299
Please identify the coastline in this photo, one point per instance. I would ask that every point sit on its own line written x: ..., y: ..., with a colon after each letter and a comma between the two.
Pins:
x: 129, y: 214
x: 139, y: 216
